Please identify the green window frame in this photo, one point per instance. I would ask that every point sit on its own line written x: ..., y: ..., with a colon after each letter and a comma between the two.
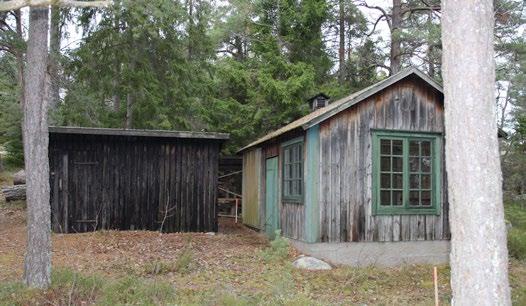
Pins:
x: 292, y: 170
x: 406, y: 173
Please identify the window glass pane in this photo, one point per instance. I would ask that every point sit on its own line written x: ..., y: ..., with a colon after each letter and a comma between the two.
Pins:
x: 398, y: 181
x: 385, y: 180
x: 426, y: 148
x: 426, y: 198
x: 385, y: 164
x: 300, y: 171
x: 385, y: 198
x: 397, y: 198
x: 397, y: 147
x: 300, y: 153
x: 300, y: 188
x: 414, y: 198
x: 426, y: 164
x: 414, y: 181
x: 397, y: 164
x: 414, y: 148
x: 413, y: 164
x: 385, y: 146
x: 426, y: 181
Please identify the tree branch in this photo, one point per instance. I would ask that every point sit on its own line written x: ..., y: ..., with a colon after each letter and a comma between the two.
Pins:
x: 375, y: 24
x: 378, y: 8
x: 17, y: 4
x: 422, y: 8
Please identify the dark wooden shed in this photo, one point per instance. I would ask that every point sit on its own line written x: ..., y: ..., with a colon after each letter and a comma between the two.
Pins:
x: 133, y: 179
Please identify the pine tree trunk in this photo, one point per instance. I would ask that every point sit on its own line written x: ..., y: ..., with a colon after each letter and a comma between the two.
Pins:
x: 396, y: 23
x: 341, y: 49
x: 129, y: 111
x: 479, y: 258
x: 20, y: 57
x: 35, y: 131
x: 54, y: 44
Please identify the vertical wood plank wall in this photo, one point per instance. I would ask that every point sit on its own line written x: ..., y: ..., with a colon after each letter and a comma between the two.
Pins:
x: 346, y: 166
x: 128, y: 182
x: 252, y: 195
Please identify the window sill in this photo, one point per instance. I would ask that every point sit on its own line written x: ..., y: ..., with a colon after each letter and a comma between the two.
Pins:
x: 292, y: 200
x: 404, y: 211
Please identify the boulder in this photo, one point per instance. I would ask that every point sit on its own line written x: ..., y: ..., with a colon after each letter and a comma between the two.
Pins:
x: 311, y: 263
x: 19, y: 178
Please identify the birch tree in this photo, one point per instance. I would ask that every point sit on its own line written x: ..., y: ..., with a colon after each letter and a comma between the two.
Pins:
x: 37, y: 266
x: 479, y: 257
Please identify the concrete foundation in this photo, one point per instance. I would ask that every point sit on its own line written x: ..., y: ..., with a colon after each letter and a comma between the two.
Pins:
x: 387, y: 254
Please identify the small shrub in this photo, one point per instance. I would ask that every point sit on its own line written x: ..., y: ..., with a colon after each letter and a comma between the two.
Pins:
x: 184, y: 261
x: 15, y: 293
x: 135, y: 291
x: 69, y: 287
x: 278, y: 250
x: 183, y: 264
x: 517, y: 243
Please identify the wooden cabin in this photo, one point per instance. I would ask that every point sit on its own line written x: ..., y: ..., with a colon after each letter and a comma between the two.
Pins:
x: 366, y: 168
x: 133, y: 179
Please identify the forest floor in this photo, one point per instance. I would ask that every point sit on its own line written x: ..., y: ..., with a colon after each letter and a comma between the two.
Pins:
x: 234, y: 267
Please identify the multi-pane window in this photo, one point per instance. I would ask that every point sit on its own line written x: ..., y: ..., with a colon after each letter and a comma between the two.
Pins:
x: 293, y: 171
x: 406, y: 172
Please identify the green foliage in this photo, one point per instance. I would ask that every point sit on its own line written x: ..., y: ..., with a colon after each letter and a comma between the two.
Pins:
x: 134, y: 291
x: 278, y: 250
x: 516, y: 216
x: 72, y: 288
x: 11, y: 114
x: 182, y: 265
x: 517, y: 243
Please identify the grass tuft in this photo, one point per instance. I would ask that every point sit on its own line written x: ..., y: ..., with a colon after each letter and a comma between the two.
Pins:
x: 278, y: 250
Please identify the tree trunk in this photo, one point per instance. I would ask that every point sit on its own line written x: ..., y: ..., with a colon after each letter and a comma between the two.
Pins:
x: 54, y: 43
x: 396, y: 23
x: 129, y: 110
x: 20, y: 57
x: 341, y: 49
x: 430, y: 59
x: 35, y: 131
x: 479, y: 257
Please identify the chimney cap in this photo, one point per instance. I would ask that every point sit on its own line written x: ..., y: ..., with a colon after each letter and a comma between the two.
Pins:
x: 321, y: 94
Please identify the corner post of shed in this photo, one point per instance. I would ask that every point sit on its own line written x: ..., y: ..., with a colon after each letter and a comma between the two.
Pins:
x: 312, y: 165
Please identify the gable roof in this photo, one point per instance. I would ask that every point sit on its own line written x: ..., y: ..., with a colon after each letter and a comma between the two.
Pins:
x: 335, y: 107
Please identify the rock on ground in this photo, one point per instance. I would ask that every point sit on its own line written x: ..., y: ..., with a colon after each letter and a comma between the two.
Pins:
x: 311, y: 263
x: 19, y: 178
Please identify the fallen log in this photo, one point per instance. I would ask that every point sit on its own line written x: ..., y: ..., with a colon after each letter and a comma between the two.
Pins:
x: 14, y: 193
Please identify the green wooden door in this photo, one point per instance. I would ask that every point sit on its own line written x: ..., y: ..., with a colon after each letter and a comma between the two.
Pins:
x: 271, y: 196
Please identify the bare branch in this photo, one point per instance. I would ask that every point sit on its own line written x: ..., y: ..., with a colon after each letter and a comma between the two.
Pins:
x: 375, y: 24
x: 378, y: 8
x: 422, y: 8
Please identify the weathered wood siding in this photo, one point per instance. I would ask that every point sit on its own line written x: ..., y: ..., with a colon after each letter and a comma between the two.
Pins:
x: 292, y: 220
x: 252, y: 191
x: 346, y: 166
x: 128, y: 182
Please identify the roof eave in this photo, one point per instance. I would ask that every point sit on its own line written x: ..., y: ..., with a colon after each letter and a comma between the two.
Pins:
x: 138, y: 133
